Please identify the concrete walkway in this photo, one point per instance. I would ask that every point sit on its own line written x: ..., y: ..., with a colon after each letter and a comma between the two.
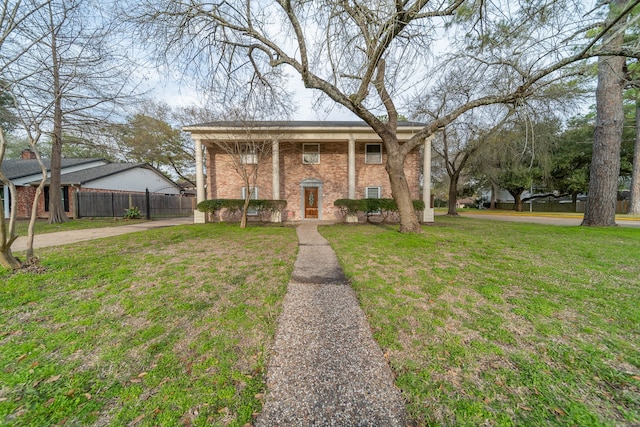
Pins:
x: 540, y: 218
x: 325, y: 368
x: 72, y: 236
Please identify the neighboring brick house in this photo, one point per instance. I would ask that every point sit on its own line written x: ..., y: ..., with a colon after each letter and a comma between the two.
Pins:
x: 94, y: 175
x: 311, y: 165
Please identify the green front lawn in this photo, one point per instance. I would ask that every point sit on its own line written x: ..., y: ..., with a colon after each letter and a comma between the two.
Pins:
x: 496, y: 323
x: 483, y: 322
x: 162, y: 327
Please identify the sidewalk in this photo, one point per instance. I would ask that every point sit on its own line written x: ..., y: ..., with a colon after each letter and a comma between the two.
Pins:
x: 73, y: 236
x: 542, y: 218
x: 325, y: 368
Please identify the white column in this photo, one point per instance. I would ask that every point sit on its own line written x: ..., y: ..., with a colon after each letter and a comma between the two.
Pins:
x: 6, y: 201
x: 352, y: 176
x: 275, y: 179
x: 427, y: 214
x: 275, y: 160
x: 352, y: 168
x: 199, y: 217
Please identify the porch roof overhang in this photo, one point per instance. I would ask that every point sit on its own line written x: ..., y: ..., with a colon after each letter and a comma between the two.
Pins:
x: 296, y: 131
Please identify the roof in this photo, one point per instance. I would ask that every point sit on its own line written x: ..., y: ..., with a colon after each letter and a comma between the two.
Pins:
x: 18, y: 168
x: 296, y: 130
x: 294, y: 124
x: 83, y: 176
x: 24, y: 168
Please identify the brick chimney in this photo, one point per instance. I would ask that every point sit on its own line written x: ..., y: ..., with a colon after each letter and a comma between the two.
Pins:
x: 28, y: 154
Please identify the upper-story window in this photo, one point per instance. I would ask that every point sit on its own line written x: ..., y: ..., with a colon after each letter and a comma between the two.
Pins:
x: 249, y: 155
x: 310, y: 154
x: 373, y: 153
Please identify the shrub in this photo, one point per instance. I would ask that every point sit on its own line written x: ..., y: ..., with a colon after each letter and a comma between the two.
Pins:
x: 384, y: 207
x: 236, y: 205
x: 350, y: 206
x: 132, y: 213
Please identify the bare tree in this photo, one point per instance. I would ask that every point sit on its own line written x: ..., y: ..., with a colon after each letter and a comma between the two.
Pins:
x: 369, y: 56
x: 8, y: 231
x: 34, y: 135
x: 75, y: 63
x: 459, y: 142
x: 455, y: 150
x: 247, y: 154
x: 13, y: 15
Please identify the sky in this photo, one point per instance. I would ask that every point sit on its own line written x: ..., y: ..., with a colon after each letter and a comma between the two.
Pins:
x: 176, y: 93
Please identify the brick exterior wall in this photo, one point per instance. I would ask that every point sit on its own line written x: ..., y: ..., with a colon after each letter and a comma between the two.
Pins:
x: 332, y: 172
x: 25, y: 201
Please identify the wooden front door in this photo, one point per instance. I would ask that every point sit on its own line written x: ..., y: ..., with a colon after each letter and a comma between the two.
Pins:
x: 311, y: 202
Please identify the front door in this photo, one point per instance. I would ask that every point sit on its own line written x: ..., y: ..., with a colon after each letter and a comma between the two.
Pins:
x: 311, y: 202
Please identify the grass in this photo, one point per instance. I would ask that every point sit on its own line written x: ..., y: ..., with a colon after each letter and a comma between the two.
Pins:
x: 483, y: 323
x: 42, y: 225
x: 164, y: 327
x: 496, y: 323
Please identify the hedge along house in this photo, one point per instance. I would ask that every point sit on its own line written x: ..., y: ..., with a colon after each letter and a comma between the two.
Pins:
x: 312, y: 164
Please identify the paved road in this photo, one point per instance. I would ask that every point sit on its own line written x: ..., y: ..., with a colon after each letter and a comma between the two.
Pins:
x: 73, y: 236
x: 543, y: 219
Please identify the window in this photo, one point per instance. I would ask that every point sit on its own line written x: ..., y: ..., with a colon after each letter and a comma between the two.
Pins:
x: 65, y: 198
x: 248, y: 155
x: 253, y: 196
x: 373, y: 192
x: 373, y: 153
x: 310, y: 154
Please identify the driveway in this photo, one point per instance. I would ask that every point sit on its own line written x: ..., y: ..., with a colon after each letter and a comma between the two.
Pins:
x: 73, y: 236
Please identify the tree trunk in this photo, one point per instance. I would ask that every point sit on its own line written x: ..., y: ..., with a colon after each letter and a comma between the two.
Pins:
x: 7, y: 231
x: 400, y: 190
x: 634, y: 202
x: 574, y: 201
x: 34, y: 212
x: 605, y: 160
x: 8, y: 261
x: 245, y: 208
x: 492, y: 204
x: 517, y: 204
x: 56, y: 207
x: 453, y: 194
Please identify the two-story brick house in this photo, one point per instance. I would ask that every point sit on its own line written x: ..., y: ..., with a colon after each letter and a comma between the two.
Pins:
x: 311, y: 164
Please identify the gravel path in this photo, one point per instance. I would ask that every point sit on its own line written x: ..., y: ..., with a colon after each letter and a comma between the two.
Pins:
x: 325, y: 368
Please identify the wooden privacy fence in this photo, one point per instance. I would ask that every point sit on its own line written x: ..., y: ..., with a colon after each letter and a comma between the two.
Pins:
x: 99, y: 204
